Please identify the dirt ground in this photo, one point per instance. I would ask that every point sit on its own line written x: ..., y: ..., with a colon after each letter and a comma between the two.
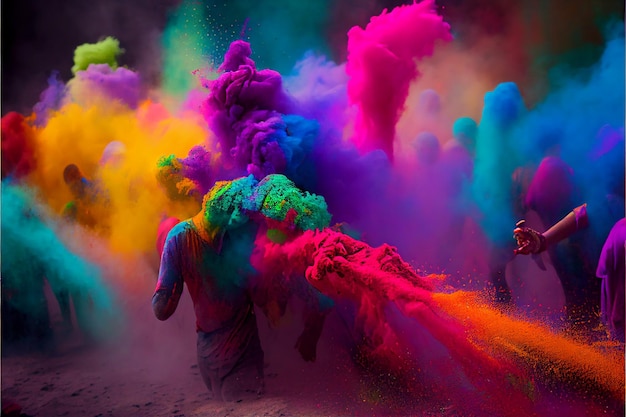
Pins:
x: 153, y: 372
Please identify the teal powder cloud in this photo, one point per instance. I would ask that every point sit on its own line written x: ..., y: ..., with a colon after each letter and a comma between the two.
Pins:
x: 281, y: 32
x: 32, y: 251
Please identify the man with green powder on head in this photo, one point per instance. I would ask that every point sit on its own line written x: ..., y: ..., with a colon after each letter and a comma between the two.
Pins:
x: 210, y: 253
x: 210, y: 261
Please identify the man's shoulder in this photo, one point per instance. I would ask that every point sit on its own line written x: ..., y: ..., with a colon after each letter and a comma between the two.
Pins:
x: 178, y: 237
x: 180, y: 230
x: 184, y: 226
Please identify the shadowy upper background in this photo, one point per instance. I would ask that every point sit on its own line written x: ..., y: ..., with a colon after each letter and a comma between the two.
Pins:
x: 39, y: 37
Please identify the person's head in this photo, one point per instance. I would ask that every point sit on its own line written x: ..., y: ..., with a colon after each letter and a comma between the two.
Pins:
x: 74, y: 179
x: 429, y: 103
x: 427, y: 148
x: 503, y: 106
x: 72, y: 174
x: 465, y: 130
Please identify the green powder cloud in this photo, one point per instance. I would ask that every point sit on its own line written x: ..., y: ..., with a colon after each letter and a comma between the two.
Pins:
x: 103, y: 52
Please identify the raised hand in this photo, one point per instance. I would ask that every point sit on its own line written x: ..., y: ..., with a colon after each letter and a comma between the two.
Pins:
x: 529, y: 241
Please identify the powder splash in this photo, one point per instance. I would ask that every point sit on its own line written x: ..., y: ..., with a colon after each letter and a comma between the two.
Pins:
x: 381, y: 65
x: 334, y: 132
x: 134, y: 203
x: 104, y: 52
x: 18, y: 146
x: 32, y: 252
x: 480, y: 339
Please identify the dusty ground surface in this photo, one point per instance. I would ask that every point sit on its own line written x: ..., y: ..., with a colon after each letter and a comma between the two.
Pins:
x: 153, y: 372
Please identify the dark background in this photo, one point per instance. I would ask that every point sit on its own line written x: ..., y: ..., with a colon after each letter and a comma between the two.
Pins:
x: 40, y: 36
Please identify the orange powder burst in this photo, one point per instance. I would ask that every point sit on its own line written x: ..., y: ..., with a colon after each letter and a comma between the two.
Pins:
x: 555, y: 356
x: 132, y: 201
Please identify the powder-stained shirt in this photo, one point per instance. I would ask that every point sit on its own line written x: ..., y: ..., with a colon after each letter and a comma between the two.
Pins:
x: 216, y: 279
x: 611, y: 269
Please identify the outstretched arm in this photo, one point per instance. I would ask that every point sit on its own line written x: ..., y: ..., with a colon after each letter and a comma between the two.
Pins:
x: 531, y: 241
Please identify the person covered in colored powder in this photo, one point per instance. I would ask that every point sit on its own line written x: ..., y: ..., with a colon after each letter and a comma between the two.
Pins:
x: 611, y: 270
x: 80, y: 209
x: 575, y: 255
x: 610, y: 267
x: 25, y: 318
x: 434, y: 188
x: 33, y: 258
x: 211, y: 253
x: 499, y: 180
x: 551, y: 194
x: 230, y: 356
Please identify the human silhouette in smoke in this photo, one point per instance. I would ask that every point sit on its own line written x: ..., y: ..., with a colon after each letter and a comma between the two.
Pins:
x: 551, y: 194
x: 210, y: 254
x: 611, y: 270
x: 430, y: 213
x: 457, y: 159
x: 32, y: 256
x: 230, y: 357
x: 500, y: 179
x: 574, y: 238
x: 25, y: 317
x: 581, y: 308
x: 464, y: 131
x: 88, y: 209
x: 80, y: 209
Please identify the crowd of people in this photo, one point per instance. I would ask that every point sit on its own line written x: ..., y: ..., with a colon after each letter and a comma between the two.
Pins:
x: 437, y: 189
x: 588, y: 257
x: 592, y: 279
